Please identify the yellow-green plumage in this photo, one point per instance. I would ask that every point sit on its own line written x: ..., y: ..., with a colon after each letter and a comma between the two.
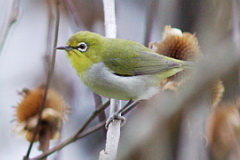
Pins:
x: 118, y: 68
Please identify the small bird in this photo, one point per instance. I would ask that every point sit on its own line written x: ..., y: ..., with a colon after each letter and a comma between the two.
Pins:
x: 118, y: 68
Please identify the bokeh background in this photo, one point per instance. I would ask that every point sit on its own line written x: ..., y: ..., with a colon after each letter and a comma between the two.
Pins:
x: 25, y: 54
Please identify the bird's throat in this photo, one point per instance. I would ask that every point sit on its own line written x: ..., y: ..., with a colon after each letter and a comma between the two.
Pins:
x: 80, y: 63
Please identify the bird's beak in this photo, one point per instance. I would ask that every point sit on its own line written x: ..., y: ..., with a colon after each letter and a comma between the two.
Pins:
x: 67, y: 48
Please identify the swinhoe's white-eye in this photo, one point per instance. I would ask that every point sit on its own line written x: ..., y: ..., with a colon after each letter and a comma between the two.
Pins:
x: 118, y: 68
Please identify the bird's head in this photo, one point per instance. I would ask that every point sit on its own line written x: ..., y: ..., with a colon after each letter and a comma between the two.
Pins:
x: 85, y: 48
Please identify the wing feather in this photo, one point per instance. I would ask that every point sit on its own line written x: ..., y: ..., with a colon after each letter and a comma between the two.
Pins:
x: 142, y: 63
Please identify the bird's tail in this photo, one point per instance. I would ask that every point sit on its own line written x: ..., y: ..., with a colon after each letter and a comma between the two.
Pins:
x: 188, y: 64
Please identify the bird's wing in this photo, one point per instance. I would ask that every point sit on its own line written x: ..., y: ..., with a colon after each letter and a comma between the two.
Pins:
x: 142, y: 63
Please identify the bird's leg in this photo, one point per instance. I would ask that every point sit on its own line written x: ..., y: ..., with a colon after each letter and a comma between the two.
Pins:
x: 117, y: 116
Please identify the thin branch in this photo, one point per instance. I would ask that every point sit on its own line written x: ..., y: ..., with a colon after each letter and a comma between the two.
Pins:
x: 11, y: 18
x: 151, y: 12
x: 49, y: 41
x: 72, y: 10
x: 129, y: 107
x: 74, y: 137
x: 49, y: 77
x: 98, y: 103
x: 235, y: 23
x: 92, y: 130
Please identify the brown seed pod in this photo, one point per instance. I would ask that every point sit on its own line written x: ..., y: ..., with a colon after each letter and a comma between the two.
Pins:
x: 178, y: 45
x: 217, y: 92
x: 223, y: 128
x: 52, y: 116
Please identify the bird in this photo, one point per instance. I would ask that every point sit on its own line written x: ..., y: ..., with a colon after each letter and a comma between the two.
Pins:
x: 118, y: 68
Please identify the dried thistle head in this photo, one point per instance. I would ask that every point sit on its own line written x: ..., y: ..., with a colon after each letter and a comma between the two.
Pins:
x: 178, y: 45
x: 223, y: 128
x: 53, y: 113
x: 217, y: 92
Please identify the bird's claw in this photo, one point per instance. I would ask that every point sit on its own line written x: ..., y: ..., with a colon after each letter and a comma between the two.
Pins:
x: 115, y: 116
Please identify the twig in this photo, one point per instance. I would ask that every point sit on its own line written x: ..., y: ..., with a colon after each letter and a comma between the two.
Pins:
x: 235, y: 23
x: 76, y: 135
x: 72, y: 10
x: 49, y: 77
x: 98, y: 103
x: 235, y: 27
x: 47, y: 57
x: 11, y: 18
x: 44, y: 134
x: 151, y: 12
x: 129, y: 107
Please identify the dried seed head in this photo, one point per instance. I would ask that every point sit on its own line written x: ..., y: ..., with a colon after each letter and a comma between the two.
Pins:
x: 52, y: 116
x: 175, y: 44
x: 223, y: 128
x: 178, y: 45
x: 217, y: 92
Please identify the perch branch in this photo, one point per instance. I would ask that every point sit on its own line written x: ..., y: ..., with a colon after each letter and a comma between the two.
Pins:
x: 113, y: 133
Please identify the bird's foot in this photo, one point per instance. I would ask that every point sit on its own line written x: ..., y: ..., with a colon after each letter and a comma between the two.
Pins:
x: 115, y: 116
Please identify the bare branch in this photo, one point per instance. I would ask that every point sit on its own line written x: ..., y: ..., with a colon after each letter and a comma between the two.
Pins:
x: 11, y: 18
x: 98, y: 103
x: 47, y: 58
x: 151, y: 13
x: 71, y: 8
x: 235, y: 23
x: 49, y: 77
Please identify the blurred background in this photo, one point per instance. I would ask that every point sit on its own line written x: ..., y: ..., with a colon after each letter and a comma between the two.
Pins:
x: 25, y: 55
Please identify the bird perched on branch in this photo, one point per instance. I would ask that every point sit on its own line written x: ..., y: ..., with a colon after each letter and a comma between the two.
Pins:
x: 118, y: 68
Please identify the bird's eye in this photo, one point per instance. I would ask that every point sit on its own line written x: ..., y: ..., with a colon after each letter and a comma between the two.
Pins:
x: 82, y: 47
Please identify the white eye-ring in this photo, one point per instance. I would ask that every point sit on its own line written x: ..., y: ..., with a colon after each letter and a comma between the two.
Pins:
x: 82, y: 47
